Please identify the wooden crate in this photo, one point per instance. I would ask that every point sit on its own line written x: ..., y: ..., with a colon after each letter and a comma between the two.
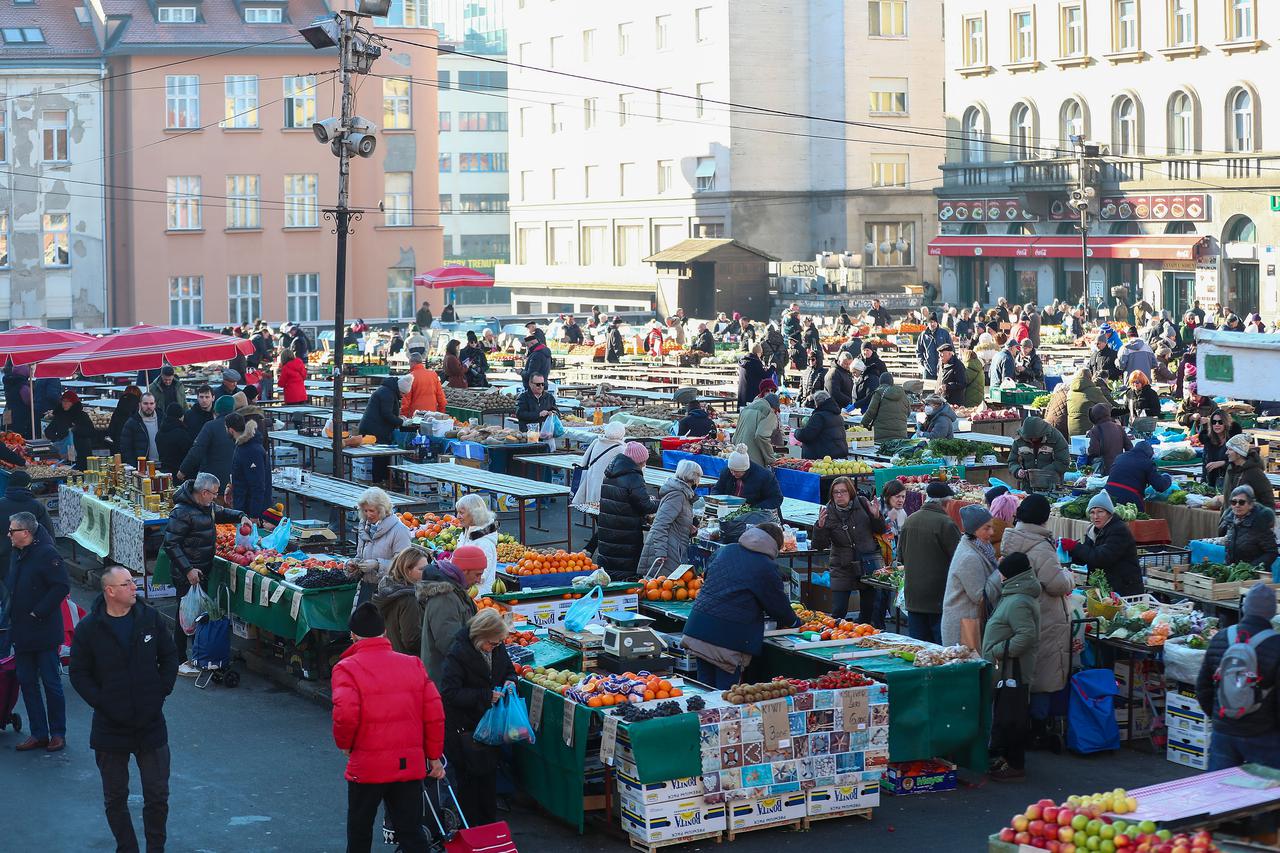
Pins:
x: 795, y: 825
x: 1245, y: 586
x: 865, y: 814
x: 1202, y: 586
x: 1166, y: 579
x: 652, y: 847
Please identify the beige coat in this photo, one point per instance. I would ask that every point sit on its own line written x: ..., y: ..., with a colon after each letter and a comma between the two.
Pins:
x: 1053, y: 660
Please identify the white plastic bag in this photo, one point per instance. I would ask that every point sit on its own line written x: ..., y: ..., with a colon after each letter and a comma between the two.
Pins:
x: 194, y: 605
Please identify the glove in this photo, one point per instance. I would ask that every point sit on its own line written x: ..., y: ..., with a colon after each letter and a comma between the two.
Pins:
x: 1068, y: 545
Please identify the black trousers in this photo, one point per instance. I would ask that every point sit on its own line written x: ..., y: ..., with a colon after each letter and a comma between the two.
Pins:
x: 153, y: 767
x: 404, y: 812
x: 1009, y: 737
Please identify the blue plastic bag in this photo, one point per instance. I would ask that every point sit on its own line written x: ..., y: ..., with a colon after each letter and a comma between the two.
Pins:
x: 506, y: 721
x: 1091, y: 716
x: 1063, y: 556
x: 584, y: 610
x: 278, y: 539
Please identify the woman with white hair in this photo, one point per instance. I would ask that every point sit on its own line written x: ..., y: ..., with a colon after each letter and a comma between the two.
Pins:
x: 480, y: 528
x: 380, y: 535
x: 597, y: 457
x: 672, y: 529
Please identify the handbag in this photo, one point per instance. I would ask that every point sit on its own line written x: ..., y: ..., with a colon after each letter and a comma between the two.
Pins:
x: 1013, y: 695
x: 971, y: 634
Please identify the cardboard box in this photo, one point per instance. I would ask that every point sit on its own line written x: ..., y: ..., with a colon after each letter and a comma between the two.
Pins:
x: 1188, y: 750
x: 1142, y: 722
x: 638, y: 793
x: 543, y: 614
x: 919, y: 777
x: 154, y: 590
x: 688, y: 818
x: 835, y: 799
x: 763, y: 811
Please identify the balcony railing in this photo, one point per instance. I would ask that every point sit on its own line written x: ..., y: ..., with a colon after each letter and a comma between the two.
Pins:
x: 1166, y: 171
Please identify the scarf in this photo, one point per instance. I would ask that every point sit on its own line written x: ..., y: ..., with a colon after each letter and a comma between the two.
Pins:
x: 450, y: 571
x: 986, y: 549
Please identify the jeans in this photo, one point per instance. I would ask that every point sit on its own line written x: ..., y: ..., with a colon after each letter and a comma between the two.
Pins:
x: 404, y: 812
x: 1232, y: 750
x: 925, y: 626
x: 714, y: 676
x: 153, y: 767
x: 34, y: 669
x: 365, y: 592
x: 182, y: 586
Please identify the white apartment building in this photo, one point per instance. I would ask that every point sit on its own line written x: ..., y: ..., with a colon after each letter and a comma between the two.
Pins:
x: 52, y: 166
x: 1174, y: 94
x: 705, y: 119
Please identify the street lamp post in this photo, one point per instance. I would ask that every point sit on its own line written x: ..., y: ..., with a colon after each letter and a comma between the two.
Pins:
x: 1082, y: 201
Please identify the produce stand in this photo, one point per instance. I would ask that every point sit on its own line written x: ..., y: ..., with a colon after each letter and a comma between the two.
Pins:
x: 113, y: 533
x: 339, y: 494
x: 799, y: 485
x: 1186, y: 523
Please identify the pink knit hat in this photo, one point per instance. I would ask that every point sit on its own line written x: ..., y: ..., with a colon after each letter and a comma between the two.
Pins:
x: 469, y: 558
x: 637, y: 452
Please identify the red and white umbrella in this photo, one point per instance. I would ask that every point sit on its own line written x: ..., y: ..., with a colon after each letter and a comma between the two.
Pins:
x: 28, y: 344
x: 143, y: 347
x: 442, y: 278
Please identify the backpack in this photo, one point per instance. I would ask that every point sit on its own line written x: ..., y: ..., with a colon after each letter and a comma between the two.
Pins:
x: 1238, y: 690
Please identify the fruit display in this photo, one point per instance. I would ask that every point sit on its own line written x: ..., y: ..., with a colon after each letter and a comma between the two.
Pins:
x: 602, y: 398
x: 840, y: 679
x: 989, y: 415
x: 38, y: 471
x: 1116, y: 801
x: 944, y: 656
x: 749, y: 694
x: 1085, y: 825
x: 657, y: 413
x: 793, y: 463
x: 510, y: 551
x: 828, y: 467
x: 481, y: 401
x: 553, y: 562
x: 322, y: 578
x: 635, y: 714
x: 1149, y: 624
x: 707, y: 447
x: 829, y: 627
x: 484, y: 601
x: 521, y: 638
x: 499, y: 587
x: 492, y: 435
x: 663, y: 589
x: 555, y: 680
x: 603, y: 691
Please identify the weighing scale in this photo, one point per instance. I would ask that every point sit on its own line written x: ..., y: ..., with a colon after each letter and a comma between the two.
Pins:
x: 630, y: 644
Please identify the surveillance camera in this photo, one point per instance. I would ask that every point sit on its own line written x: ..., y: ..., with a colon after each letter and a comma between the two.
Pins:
x: 325, y: 130
x: 335, y: 145
x: 360, y: 124
x: 362, y: 143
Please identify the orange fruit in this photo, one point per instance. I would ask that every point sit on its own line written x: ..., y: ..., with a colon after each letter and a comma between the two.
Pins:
x: 594, y: 702
x: 663, y: 694
x: 648, y: 695
x: 675, y: 691
x: 663, y: 684
x: 666, y: 595
x: 682, y: 594
x: 667, y: 584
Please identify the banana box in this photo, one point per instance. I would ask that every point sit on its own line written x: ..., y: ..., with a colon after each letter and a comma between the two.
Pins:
x: 687, y: 818
x: 834, y: 799
x: 761, y: 811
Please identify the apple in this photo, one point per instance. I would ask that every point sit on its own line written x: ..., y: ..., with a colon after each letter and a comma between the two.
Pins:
x: 1053, y: 846
x: 1066, y: 817
x: 1022, y: 838
x: 1033, y: 812
x: 1080, y: 821
x: 1007, y: 834
x: 1094, y: 826
x: 1036, y: 828
x: 1106, y: 846
x: 1107, y: 832
x: 1020, y: 823
x: 1123, y: 841
x: 1069, y: 847
x: 1065, y: 834
x: 1146, y: 827
x: 1049, y: 814
x: 1039, y: 843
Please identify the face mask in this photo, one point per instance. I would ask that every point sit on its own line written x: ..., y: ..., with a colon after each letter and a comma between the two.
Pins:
x: 929, y: 410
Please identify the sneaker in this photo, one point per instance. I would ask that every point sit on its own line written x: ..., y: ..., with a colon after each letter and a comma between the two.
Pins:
x: 189, y: 669
x: 1007, y: 774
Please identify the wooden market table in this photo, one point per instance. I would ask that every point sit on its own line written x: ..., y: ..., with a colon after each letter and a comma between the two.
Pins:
x: 340, y: 494
x: 350, y: 399
x: 478, y: 479
x: 654, y: 477
x: 315, y: 443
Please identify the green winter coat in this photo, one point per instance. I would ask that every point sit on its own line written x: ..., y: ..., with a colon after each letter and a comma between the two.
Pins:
x: 887, y: 413
x: 976, y: 375
x: 1017, y: 620
x: 1081, y: 397
x: 928, y: 539
x: 1054, y: 453
x: 756, y: 423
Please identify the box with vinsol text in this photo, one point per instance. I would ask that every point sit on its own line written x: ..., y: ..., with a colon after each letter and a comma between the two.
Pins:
x: 689, y: 818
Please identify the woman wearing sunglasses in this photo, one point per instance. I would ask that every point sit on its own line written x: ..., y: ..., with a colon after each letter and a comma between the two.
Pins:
x: 1248, y: 530
x: 1213, y: 438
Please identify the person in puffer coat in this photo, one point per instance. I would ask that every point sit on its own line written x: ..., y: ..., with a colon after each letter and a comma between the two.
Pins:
x: 975, y: 377
x: 18, y: 498
x: 751, y: 369
x: 1249, y: 530
x: 952, y: 381
x: 848, y: 525
x: 1245, y: 468
x: 397, y: 601
x: 1055, y: 413
x: 973, y: 584
x: 1136, y: 355
x: 1038, y: 447
x: 1107, y: 439
x: 213, y: 449
x: 756, y: 425
x: 672, y: 529
x: 624, y: 505
x: 888, y: 411
x: 381, y: 419
x: 743, y: 588
x: 446, y: 605
x: 1132, y: 472
x: 755, y: 484
x: 839, y: 381
x: 172, y: 441
x: 939, y: 419
x: 250, y: 468
x: 823, y: 434
x: 380, y: 535
x: 1013, y: 635
x: 1082, y: 396
x: 814, y: 377
x: 1109, y: 545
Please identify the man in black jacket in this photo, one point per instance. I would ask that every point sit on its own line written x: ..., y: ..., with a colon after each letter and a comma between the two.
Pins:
x: 138, y: 438
x: 537, y: 359
x: 704, y: 341
x: 199, y: 414
x: 951, y: 375
x: 572, y: 331
x: 535, y: 403
x: 123, y: 665
x: 190, y: 540
x: 230, y: 384
x: 18, y: 498
x: 879, y: 314
x: 614, y: 349
x: 381, y: 419
x: 37, y: 583
x: 1102, y: 361
x: 839, y: 381
x: 1253, y: 738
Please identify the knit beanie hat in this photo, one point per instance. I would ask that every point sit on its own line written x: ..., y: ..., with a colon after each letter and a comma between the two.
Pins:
x: 469, y: 558
x: 1239, y: 444
x: 366, y: 621
x: 615, y: 431
x: 937, y: 491
x: 1260, y: 603
x: 766, y: 386
x: 636, y: 452
x: 738, y: 459
x: 1034, y: 509
x: 71, y: 397
x: 224, y: 405
x: 1005, y: 507
x: 1015, y: 564
x: 1102, y: 500
x: 886, y: 378
x: 972, y: 517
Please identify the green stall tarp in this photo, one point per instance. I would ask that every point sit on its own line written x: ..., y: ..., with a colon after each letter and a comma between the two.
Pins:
x: 551, y: 771
x: 551, y: 654
x: 666, y: 748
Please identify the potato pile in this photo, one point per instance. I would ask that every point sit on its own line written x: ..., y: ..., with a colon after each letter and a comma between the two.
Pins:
x: 484, y: 401
x: 491, y: 435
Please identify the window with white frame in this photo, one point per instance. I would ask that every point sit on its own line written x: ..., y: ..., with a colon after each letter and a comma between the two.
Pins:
x: 302, y: 297
x: 558, y: 186
x: 1072, y: 121
x: 888, y: 96
x: 57, y: 239
x: 704, y: 174
x: 1182, y: 23
x: 55, y: 125
x: 244, y: 202
x: 1124, y: 26
x: 556, y: 51
x: 560, y: 245
x: 263, y: 15
x: 665, y: 175
x: 186, y: 300
x: 176, y: 14
x: 399, y: 293
x: 1022, y: 127
x: 1182, y: 124
x: 1022, y: 30
x: 301, y: 201
x: 1125, y: 121
x: 595, y: 245
x: 975, y: 130
x: 660, y: 100
x: 446, y: 202
x: 889, y: 170
x: 624, y: 109
x: 588, y: 45
x: 887, y: 18
x: 1241, y: 107
x: 524, y: 52
x: 703, y: 28
x: 701, y: 91
x: 629, y: 244
x: 590, y: 181
x: 1241, y: 20
x: 892, y: 244
x: 662, y: 32
x: 590, y: 110
x: 181, y: 101
x: 397, y: 198
x: 182, y: 201
x: 244, y: 298
x: 624, y: 38
x: 529, y: 246
x: 709, y: 230
x: 4, y: 239
x: 1071, y: 24
x: 395, y: 104
x: 22, y: 35
x: 626, y: 179
x: 241, y: 101
x: 300, y: 101
x: 975, y: 41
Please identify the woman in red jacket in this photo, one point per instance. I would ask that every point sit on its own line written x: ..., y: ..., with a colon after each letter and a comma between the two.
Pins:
x: 293, y: 376
x: 454, y: 372
x: 388, y: 719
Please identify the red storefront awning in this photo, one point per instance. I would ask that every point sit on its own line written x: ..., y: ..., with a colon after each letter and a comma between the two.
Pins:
x: 1165, y: 247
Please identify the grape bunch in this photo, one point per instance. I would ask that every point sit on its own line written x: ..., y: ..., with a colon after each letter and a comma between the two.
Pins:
x: 314, y: 579
x: 636, y: 714
x: 695, y: 703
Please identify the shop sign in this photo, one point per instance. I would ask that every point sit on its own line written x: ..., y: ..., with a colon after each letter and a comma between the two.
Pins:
x: 985, y: 210
x: 1207, y: 281
x: 1178, y: 266
x: 1192, y: 207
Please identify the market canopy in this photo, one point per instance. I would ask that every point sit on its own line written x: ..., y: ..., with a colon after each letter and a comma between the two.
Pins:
x: 143, y: 347
x: 28, y: 344
x: 1120, y: 247
x: 442, y: 278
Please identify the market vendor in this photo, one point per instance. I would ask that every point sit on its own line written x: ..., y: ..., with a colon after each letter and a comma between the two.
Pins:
x: 757, y: 424
x: 697, y: 422
x: 381, y: 419
x: 939, y: 418
x: 1213, y: 441
x: 704, y: 341
x: 1028, y: 367
x: 1109, y: 545
x: 1140, y: 399
x: 1249, y: 530
x: 535, y: 403
x: 748, y: 480
x: 1244, y: 467
x: 1195, y: 408
x: 1132, y: 472
x: 743, y: 587
x: 1038, y: 447
x: 823, y: 435
x: 840, y: 381
x: 70, y: 426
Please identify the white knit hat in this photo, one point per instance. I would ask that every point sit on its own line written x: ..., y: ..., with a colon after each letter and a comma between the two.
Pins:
x: 615, y: 431
x: 858, y: 365
x: 738, y: 459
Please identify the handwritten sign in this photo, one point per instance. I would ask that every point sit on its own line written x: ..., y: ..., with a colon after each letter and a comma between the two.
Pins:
x: 279, y: 593
x: 855, y: 709
x: 248, y: 587
x: 264, y: 592
x: 774, y: 724
x: 567, y: 728
x: 535, y: 707
x: 609, y: 740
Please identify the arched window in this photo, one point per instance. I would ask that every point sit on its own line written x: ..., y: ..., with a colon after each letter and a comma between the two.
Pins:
x: 1241, y: 120
x: 1125, y: 126
x: 975, y: 150
x: 1182, y: 124
x: 1072, y: 121
x: 1180, y: 227
x: 1242, y: 230
x: 1022, y: 132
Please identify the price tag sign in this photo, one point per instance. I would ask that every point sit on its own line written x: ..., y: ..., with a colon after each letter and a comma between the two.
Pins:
x: 535, y: 706
x: 609, y: 739
x: 567, y: 728
x: 248, y: 587
x: 278, y: 594
x: 295, y: 605
x: 855, y: 709
x: 774, y: 724
x: 231, y: 580
x: 264, y: 592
